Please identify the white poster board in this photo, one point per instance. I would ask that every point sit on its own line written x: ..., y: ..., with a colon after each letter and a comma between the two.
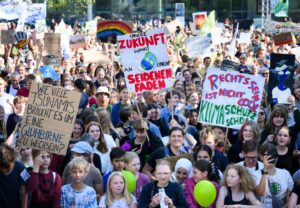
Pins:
x: 145, y: 61
x: 230, y: 98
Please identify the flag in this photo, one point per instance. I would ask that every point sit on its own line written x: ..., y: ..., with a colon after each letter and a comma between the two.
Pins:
x: 209, y: 23
x: 280, y: 8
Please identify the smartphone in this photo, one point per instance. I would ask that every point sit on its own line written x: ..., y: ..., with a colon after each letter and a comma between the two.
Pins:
x: 271, y: 155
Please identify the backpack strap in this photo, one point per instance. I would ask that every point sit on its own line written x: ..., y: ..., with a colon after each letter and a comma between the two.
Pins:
x: 54, y: 177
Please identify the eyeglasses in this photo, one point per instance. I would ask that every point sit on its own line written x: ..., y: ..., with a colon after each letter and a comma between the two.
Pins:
x: 264, y: 74
x: 190, y: 66
x: 140, y: 130
x: 82, y: 72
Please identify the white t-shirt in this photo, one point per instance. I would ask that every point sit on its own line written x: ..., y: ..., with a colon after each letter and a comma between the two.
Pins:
x: 255, y: 172
x: 7, y: 107
x: 281, y: 182
x: 121, y: 203
x: 105, y: 159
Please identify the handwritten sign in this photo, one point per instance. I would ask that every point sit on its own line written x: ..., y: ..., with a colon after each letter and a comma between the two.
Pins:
x: 52, y: 43
x: 145, y: 61
x: 230, y: 98
x: 49, y: 118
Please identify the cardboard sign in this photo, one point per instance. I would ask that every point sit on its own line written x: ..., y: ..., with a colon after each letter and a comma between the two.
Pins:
x: 49, y: 118
x: 145, y: 61
x: 7, y: 37
x: 280, y: 85
x: 77, y: 41
x: 197, y: 46
x: 52, y: 43
x: 199, y: 19
x: 283, y: 38
x: 230, y: 98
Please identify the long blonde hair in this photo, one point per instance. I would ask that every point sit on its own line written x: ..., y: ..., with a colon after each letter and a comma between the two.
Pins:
x: 247, y: 183
x: 109, y: 196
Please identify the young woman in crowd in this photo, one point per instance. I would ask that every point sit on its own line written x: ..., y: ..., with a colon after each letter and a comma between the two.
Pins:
x: 237, y: 188
x: 162, y: 190
x: 278, y: 118
x: 204, y: 152
x: 285, y: 159
x: 44, y: 185
x: 103, y: 145
x: 133, y: 164
x: 202, y: 170
x: 183, y: 170
x: 117, y: 194
x: 249, y: 130
x: 172, y: 149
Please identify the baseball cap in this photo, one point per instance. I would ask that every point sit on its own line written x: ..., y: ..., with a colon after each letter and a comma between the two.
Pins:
x: 82, y: 147
x: 102, y: 89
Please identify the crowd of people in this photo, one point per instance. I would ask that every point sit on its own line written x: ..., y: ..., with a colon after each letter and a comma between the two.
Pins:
x: 117, y: 130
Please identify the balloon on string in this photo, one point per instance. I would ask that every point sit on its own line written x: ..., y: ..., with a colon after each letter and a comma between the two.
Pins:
x: 205, y: 193
x: 130, y: 180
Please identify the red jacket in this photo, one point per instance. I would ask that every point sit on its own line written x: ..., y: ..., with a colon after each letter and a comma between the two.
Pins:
x: 45, y: 191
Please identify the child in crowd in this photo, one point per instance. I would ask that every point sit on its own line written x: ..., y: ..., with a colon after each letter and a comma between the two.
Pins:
x: 44, y: 184
x: 77, y: 194
x: 117, y: 160
x: 237, y: 188
x: 183, y: 170
x: 13, y: 178
x: 208, y: 137
x: 202, y: 170
x: 117, y: 194
x: 133, y: 164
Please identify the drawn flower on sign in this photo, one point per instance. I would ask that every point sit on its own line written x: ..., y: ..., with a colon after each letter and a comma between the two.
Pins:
x: 149, y: 61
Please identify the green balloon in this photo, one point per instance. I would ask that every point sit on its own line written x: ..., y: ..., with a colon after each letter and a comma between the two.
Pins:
x: 130, y: 180
x: 205, y: 193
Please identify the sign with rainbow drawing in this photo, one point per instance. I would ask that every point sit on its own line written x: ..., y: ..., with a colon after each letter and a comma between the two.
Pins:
x: 107, y: 28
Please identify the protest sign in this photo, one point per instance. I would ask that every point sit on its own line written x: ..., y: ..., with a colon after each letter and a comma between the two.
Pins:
x: 279, y: 8
x: 199, y: 19
x: 280, y: 85
x: 283, y: 38
x: 49, y: 72
x: 77, y: 41
x: 230, y: 98
x: 198, y: 45
x: 229, y: 65
x: 244, y: 38
x: 113, y: 28
x: 180, y: 12
x: 281, y: 27
x: 49, y: 118
x: 40, y: 25
x: 296, y: 51
x: 52, y: 45
x: 145, y: 61
x: 7, y: 37
x: 171, y: 26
